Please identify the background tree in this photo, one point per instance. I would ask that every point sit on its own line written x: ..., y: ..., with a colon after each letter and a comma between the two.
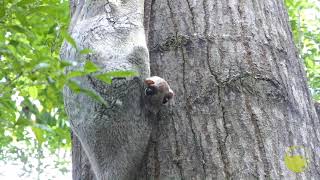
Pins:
x: 33, y: 124
x: 241, y: 95
x: 304, y: 20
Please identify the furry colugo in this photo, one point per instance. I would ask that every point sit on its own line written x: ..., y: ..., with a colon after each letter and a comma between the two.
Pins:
x: 115, y: 136
x: 157, y: 92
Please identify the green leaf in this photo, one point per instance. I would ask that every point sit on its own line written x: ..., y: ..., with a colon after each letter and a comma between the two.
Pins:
x: 8, y: 103
x: 41, y: 9
x: 69, y: 39
x: 85, y: 51
x: 52, y: 28
x: 74, y: 86
x: 39, y: 134
x: 20, y: 13
x: 23, y: 122
x: 43, y: 127
x: 24, y: 2
x: 94, y: 96
x: 105, y: 78
x: 18, y: 28
x: 2, y: 9
x: 33, y: 92
x: 64, y: 63
x: 90, y: 67
x: 121, y: 73
x: 14, y: 43
x: 73, y: 74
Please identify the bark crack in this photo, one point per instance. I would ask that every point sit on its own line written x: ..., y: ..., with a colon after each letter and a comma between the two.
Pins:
x: 203, y: 158
x: 210, y: 68
x: 221, y: 141
x: 175, y: 27
x: 206, y: 29
x: 148, y: 8
x: 188, y: 110
x: 275, y: 61
x: 206, y: 18
x: 192, y: 16
x: 177, y: 160
x: 156, y: 152
x: 258, y: 134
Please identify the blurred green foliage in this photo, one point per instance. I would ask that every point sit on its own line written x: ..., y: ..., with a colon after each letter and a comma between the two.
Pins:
x: 32, y: 118
x: 305, y: 23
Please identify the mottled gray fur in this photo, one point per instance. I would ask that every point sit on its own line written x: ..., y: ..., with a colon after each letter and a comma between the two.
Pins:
x: 114, y: 137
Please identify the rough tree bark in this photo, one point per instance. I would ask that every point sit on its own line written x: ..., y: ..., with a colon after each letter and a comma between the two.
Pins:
x: 241, y: 93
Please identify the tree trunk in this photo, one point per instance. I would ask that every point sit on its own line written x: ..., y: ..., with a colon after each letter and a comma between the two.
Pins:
x: 317, y: 106
x: 241, y: 94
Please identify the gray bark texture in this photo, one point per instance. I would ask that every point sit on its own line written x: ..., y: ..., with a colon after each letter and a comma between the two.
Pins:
x: 317, y: 106
x: 241, y: 96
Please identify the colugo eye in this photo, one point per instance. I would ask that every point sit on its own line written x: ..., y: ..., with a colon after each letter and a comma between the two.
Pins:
x: 165, y: 100
x: 150, y: 91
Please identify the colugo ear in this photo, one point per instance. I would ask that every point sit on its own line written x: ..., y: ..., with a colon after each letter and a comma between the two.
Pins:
x: 148, y: 82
